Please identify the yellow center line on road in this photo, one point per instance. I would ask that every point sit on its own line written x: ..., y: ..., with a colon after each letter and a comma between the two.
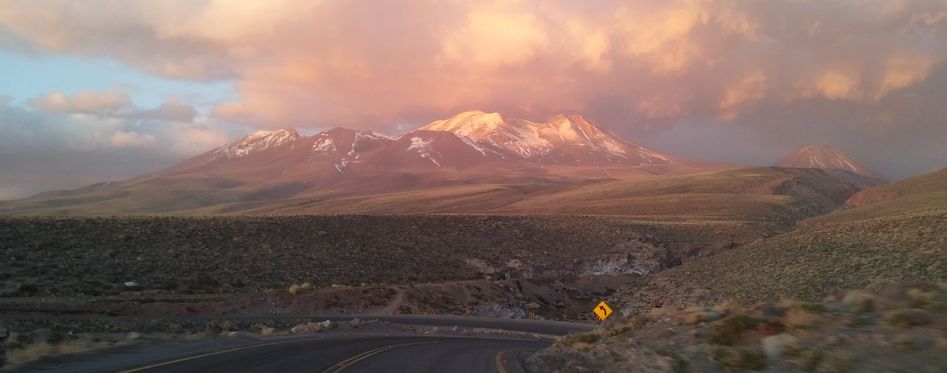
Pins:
x: 364, y: 355
x: 169, y: 362
x: 500, y: 366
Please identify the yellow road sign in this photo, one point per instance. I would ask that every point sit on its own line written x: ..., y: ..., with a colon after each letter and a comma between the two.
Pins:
x: 602, y: 310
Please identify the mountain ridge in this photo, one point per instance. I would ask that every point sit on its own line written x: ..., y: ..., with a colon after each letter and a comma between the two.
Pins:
x: 474, y: 161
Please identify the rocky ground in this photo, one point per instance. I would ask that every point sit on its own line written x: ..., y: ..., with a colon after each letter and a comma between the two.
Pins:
x: 560, y: 299
x: 214, y: 255
x: 900, y: 329
x: 143, y: 269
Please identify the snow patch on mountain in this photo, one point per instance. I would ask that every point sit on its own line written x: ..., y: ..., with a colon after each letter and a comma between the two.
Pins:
x: 255, y: 142
x: 423, y: 148
x: 342, y: 167
x: 477, y: 146
x: 324, y: 145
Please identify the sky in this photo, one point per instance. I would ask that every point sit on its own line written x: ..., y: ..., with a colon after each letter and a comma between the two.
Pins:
x: 103, y: 90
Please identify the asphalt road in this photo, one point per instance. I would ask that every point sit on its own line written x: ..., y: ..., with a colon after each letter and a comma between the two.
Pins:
x: 330, y: 353
x: 362, y: 354
x: 546, y: 327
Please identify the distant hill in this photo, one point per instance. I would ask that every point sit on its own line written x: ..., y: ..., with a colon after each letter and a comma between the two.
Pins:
x: 920, y: 186
x: 827, y: 158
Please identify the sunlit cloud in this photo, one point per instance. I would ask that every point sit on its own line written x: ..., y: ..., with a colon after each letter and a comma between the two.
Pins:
x: 80, y: 143
x: 640, y: 67
x: 123, y: 139
x: 97, y: 121
x: 751, y: 88
x: 314, y: 63
x: 85, y: 102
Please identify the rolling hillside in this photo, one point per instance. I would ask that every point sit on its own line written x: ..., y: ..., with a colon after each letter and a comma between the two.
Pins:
x: 898, y: 239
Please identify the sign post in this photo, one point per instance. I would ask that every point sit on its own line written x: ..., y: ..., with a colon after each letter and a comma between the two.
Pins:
x: 602, y: 310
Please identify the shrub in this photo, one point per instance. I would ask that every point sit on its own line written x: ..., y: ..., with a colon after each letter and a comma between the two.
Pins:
x: 800, y: 319
x: 859, y: 301
x: 738, y: 358
x: 202, y: 283
x: 809, y: 359
x: 299, y: 288
x: 811, y: 307
x: 837, y: 361
x: 908, y: 317
x: 55, y: 337
x: 728, y: 330
x: 587, y: 338
x: 929, y: 300
x: 27, y: 289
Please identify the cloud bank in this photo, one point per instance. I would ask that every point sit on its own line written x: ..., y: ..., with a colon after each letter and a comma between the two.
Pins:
x: 304, y: 62
x: 645, y: 68
x: 61, y: 141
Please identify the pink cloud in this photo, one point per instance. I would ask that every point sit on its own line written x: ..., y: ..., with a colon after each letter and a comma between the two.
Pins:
x: 357, y: 64
x: 84, y: 102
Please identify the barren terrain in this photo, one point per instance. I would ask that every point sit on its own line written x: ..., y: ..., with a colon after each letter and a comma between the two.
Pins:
x: 676, y: 244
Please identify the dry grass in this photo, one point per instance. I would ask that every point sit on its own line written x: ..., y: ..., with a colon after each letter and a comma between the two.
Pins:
x: 778, y: 196
x: 809, y: 263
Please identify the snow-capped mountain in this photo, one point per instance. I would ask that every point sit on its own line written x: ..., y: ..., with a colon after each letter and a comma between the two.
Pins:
x: 480, y: 155
x: 472, y: 140
x: 255, y: 142
x: 824, y: 157
x: 456, y: 164
x: 564, y: 139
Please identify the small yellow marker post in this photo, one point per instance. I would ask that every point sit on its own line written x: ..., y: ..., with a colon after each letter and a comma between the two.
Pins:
x: 602, y: 310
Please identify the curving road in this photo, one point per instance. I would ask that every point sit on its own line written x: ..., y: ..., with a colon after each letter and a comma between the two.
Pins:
x: 326, y: 353
x: 363, y: 354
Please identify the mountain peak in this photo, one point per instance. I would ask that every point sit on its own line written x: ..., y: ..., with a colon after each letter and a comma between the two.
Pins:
x: 824, y: 157
x: 254, y: 142
x: 818, y: 148
x: 271, y: 133
x: 468, y: 123
x: 573, y: 118
x: 563, y: 138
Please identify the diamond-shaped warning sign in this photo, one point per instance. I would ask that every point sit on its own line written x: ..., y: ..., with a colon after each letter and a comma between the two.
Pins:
x: 602, y: 310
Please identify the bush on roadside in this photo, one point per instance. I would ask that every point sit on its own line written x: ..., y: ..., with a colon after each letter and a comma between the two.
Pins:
x: 300, y: 288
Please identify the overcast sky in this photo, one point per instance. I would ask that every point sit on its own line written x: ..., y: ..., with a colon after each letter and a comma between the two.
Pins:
x: 103, y: 90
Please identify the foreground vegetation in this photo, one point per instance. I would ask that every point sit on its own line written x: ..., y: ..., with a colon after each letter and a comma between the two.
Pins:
x: 900, y: 329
